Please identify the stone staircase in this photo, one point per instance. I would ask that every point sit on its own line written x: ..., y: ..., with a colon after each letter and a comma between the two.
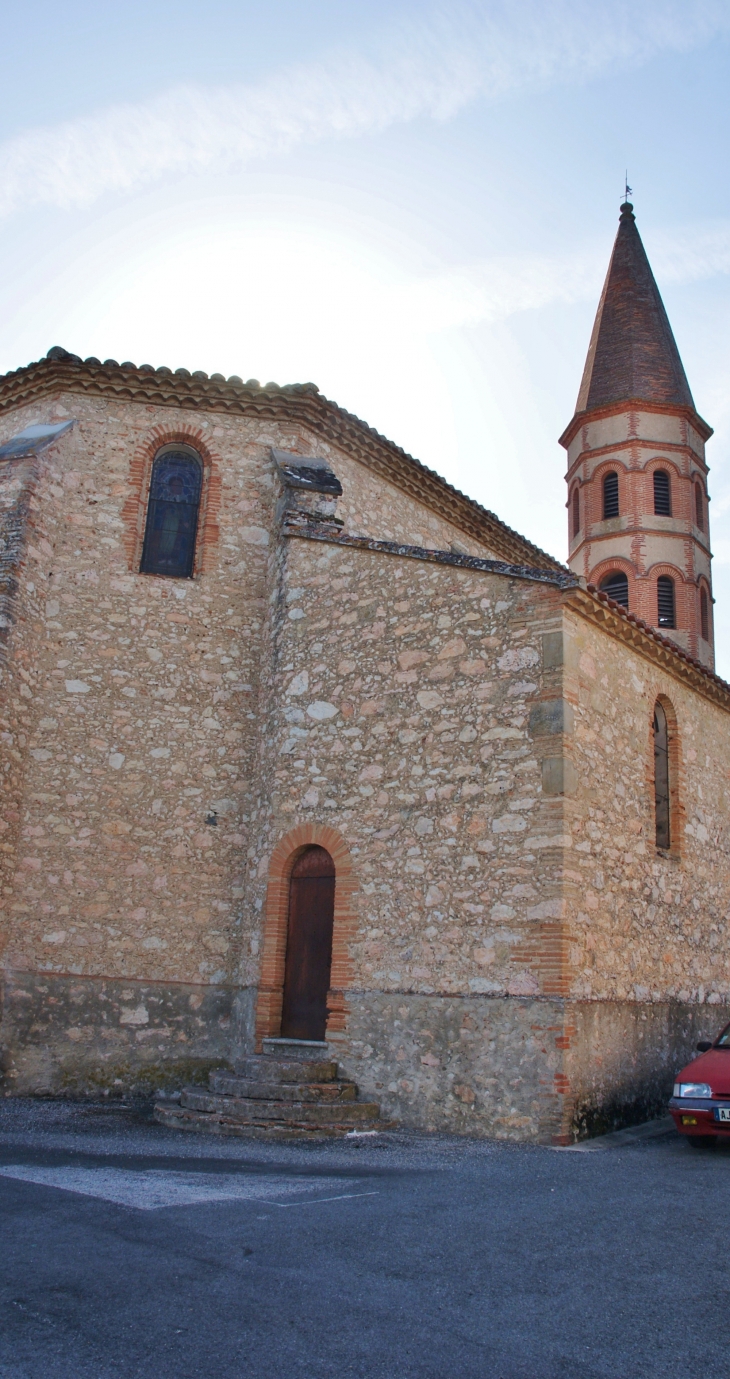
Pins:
x: 290, y: 1091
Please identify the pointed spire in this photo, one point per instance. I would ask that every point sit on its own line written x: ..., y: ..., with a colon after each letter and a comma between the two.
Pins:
x: 632, y: 354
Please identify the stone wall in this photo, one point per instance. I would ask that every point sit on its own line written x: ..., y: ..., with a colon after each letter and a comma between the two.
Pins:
x: 402, y: 718
x: 131, y: 715
x: 91, y: 1036
x: 486, y: 755
x: 138, y: 729
x: 412, y: 713
x: 648, y: 925
x: 621, y: 1059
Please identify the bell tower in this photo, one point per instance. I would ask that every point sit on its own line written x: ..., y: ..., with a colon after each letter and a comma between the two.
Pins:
x: 637, y: 479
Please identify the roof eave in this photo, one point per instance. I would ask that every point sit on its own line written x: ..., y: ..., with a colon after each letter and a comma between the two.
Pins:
x: 634, y: 404
x: 301, y: 402
x: 596, y: 605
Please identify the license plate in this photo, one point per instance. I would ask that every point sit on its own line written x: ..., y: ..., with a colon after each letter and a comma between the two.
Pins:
x: 722, y: 1113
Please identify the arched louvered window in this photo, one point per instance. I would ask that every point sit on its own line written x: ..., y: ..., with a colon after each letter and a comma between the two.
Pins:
x: 661, y: 777
x: 576, y: 511
x: 172, y: 514
x: 665, y: 602
x: 704, y: 615
x: 616, y: 585
x: 699, y: 507
x: 610, y: 495
x: 662, y: 493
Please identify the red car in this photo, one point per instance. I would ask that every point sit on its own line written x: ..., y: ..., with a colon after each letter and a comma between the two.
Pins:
x: 700, y: 1103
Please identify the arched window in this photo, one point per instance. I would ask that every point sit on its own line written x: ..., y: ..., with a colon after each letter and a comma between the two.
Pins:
x: 610, y: 495
x: 661, y: 777
x: 576, y: 511
x: 616, y: 585
x: 704, y: 615
x: 665, y: 601
x: 172, y: 514
x: 699, y: 507
x: 662, y: 493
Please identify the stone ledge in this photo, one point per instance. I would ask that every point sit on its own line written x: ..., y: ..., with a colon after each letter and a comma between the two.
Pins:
x: 324, y: 531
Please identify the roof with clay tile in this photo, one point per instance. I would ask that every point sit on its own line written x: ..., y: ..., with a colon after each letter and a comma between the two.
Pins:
x: 301, y: 403
x: 633, y: 356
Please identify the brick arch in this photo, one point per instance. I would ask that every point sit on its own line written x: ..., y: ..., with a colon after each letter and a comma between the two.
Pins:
x: 663, y: 462
x: 616, y: 465
x: 704, y: 584
x: 608, y: 566
x: 574, y: 492
x: 134, y: 512
x: 662, y: 567
x: 698, y: 482
x: 276, y: 916
x: 592, y: 488
x: 680, y: 486
x: 685, y: 612
x: 613, y: 562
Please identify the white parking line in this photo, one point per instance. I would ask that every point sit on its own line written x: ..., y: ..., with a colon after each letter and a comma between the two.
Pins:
x: 153, y: 1188
x: 341, y: 1197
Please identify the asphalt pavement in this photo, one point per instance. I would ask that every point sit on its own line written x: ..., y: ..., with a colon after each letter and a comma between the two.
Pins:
x: 131, y: 1250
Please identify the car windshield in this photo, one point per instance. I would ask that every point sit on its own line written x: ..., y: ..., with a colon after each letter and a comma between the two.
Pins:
x: 724, y: 1041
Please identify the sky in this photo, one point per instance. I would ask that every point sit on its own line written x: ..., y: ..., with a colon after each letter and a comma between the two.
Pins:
x: 410, y: 204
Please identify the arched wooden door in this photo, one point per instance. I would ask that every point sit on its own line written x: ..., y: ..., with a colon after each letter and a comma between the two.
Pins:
x: 309, y: 945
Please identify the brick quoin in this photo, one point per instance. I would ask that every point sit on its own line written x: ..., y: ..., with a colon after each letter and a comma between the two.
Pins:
x: 271, y: 986
x: 134, y: 512
x: 545, y: 953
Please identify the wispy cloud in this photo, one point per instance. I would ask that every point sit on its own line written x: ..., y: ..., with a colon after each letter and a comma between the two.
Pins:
x: 692, y: 252
x: 431, y: 68
x: 504, y: 285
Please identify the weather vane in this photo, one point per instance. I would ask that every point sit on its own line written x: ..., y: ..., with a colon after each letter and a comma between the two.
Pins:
x: 628, y: 191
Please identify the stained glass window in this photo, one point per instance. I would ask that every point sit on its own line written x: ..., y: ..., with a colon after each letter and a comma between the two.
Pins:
x: 172, y: 515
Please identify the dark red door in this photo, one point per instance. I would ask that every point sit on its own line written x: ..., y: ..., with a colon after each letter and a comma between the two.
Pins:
x: 309, y: 945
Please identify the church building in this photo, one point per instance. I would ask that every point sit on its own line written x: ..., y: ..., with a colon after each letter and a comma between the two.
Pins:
x: 306, y: 757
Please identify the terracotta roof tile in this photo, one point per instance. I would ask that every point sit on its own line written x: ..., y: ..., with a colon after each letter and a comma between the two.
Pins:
x: 302, y: 403
x: 633, y: 354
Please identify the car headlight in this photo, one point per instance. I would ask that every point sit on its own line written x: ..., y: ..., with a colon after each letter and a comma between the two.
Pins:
x: 697, y: 1089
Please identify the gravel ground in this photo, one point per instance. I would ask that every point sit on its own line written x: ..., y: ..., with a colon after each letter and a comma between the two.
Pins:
x: 133, y: 1250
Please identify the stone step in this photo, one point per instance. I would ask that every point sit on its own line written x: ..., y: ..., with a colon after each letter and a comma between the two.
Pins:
x: 250, y: 1110
x: 266, y: 1068
x: 180, y: 1118
x: 295, y: 1048
x: 228, y: 1084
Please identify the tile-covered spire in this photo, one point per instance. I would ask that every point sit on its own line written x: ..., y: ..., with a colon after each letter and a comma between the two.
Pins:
x: 633, y: 353
x: 639, y: 520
